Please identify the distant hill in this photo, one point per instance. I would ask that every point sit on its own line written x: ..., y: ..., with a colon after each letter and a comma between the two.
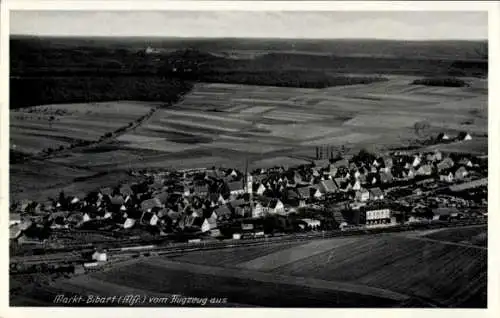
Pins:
x: 461, y: 50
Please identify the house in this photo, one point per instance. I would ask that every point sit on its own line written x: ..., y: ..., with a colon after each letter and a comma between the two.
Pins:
x: 464, y: 136
x: 378, y: 216
x: 386, y: 177
x: 409, y: 173
x: 317, y: 192
x: 186, y: 191
x: 356, y: 185
x: 376, y: 194
x: 362, y: 195
x: 438, y: 155
x: 149, y: 219
x: 257, y: 210
x: 357, y: 174
x: 162, y: 197
x: 461, y: 173
x: 424, y: 170
x: 236, y: 188
x: 209, y: 224
x: 333, y: 171
x: 466, y: 162
x: 416, y: 161
x: 276, y: 207
x: 14, y: 232
x: 149, y: 204
x: 447, y: 163
x: 311, y: 223
x: 129, y: 223
x: 201, y: 189
x: 117, y: 200
x: 260, y: 189
x: 212, y: 173
x: 107, y: 191
x: 329, y: 186
x: 388, y: 163
x: 14, y: 218
x: 442, y: 137
x: 221, y: 199
x: 315, y: 172
x: 100, y: 256
x: 74, y: 200
x: 86, y: 218
x: 291, y: 194
x: 233, y: 173
x: 223, y: 211
x: 447, y: 177
x: 126, y: 190
x: 444, y: 213
x: 304, y: 192
x: 345, y: 186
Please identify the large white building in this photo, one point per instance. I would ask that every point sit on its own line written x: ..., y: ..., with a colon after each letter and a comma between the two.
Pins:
x: 379, y: 216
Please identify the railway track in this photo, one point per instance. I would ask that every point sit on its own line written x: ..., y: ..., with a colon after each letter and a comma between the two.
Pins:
x: 138, y: 247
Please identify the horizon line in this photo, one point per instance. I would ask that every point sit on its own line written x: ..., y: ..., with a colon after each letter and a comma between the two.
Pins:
x: 240, y: 38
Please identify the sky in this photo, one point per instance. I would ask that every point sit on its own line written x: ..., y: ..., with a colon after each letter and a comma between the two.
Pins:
x: 407, y: 25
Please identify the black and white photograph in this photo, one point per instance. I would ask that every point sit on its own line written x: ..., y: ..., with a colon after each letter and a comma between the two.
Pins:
x: 248, y: 158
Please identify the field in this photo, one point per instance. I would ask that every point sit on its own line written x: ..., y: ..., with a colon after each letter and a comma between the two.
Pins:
x: 257, y: 121
x: 38, y: 128
x: 226, y: 124
x: 388, y: 270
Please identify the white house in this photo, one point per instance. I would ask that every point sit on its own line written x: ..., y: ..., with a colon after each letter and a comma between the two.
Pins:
x: 208, y: 224
x: 233, y: 173
x: 362, y: 195
x: 416, y: 160
x: 312, y: 222
x: 356, y: 186
x: 446, y: 177
x: 276, y: 207
x: 317, y: 194
x: 14, y: 218
x: 258, y: 210
x: 86, y: 218
x: 424, y: 170
x: 128, y: 223
x: 150, y: 219
x: 260, y: 189
x: 100, y: 256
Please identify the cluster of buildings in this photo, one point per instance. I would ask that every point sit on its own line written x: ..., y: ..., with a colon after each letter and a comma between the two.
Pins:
x: 359, y: 190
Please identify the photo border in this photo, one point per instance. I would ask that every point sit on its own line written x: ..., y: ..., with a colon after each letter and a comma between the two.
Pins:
x: 493, y: 115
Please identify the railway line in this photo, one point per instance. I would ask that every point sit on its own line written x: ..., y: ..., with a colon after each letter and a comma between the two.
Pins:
x: 135, y: 247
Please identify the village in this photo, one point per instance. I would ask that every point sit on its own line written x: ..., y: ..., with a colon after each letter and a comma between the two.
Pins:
x: 364, y: 190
